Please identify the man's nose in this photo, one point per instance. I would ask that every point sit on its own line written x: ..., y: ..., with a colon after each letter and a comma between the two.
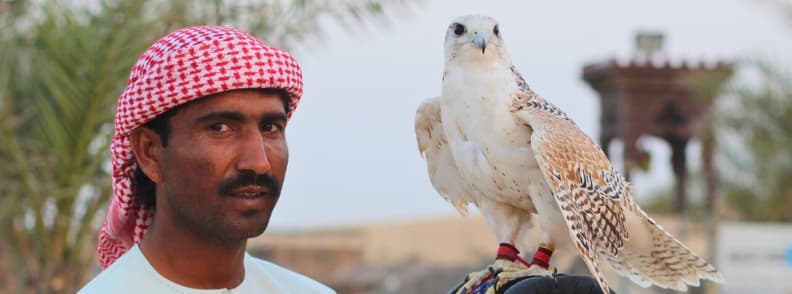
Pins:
x: 253, y: 154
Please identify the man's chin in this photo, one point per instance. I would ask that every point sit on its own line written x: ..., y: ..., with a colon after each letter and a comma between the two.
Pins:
x: 244, y: 230
x: 257, y: 230
x: 243, y: 235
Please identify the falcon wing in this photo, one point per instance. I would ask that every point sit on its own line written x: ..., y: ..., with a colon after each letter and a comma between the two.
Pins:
x: 433, y: 145
x: 597, y: 205
x: 588, y: 191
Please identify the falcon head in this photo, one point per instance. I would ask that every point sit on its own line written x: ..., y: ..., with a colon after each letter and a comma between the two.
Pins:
x: 474, y: 38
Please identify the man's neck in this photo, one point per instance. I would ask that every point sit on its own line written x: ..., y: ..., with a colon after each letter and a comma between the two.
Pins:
x: 194, y: 262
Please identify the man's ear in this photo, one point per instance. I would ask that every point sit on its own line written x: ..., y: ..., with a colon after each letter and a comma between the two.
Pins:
x: 147, y: 148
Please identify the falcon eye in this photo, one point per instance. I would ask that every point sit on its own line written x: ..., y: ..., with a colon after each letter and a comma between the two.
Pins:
x: 459, y: 29
x: 496, y: 30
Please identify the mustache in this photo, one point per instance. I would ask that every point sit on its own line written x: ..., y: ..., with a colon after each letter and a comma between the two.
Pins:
x: 249, y: 178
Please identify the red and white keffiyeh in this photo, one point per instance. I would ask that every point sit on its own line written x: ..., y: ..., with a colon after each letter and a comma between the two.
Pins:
x: 184, y: 65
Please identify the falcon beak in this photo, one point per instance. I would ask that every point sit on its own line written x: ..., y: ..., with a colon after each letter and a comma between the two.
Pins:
x: 480, y: 39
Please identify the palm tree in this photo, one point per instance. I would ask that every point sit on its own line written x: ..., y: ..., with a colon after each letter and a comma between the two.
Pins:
x: 760, y: 163
x: 62, y: 66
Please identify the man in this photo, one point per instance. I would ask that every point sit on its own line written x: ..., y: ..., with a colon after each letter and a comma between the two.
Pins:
x: 199, y: 156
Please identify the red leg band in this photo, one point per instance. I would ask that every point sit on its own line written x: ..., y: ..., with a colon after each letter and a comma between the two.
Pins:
x: 509, y: 252
x: 542, y: 257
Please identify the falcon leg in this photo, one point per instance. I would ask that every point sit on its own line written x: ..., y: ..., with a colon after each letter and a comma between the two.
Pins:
x: 539, y: 266
x: 542, y: 255
x: 509, y: 266
x: 507, y: 222
x: 508, y: 260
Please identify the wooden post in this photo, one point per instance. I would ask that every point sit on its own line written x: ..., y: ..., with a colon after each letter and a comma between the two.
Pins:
x: 678, y: 165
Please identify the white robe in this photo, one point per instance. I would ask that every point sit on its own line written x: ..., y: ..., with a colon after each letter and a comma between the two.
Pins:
x: 132, y: 273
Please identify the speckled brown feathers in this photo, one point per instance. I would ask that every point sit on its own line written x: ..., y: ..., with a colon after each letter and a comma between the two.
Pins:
x: 582, y: 180
x: 595, y: 200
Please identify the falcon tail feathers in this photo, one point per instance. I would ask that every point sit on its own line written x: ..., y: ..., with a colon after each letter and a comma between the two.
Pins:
x: 669, y: 264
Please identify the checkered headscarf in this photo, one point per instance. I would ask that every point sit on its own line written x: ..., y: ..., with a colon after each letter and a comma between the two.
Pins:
x: 184, y: 65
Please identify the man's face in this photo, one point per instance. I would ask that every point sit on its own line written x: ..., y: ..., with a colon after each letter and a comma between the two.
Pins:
x: 224, y: 164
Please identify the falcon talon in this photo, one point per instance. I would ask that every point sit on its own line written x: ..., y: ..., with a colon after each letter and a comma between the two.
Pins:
x: 495, y: 281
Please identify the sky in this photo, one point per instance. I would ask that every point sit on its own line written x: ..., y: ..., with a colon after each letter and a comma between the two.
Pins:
x: 353, y: 153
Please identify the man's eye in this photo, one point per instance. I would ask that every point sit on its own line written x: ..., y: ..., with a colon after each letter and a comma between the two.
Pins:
x: 219, y: 127
x: 270, y: 128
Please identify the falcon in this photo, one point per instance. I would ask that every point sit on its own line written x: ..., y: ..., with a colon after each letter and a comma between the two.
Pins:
x: 491, y: 141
